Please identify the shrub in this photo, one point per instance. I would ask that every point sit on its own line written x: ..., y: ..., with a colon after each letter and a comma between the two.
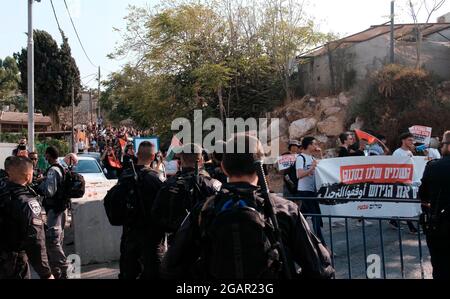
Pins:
x: 396, y: 98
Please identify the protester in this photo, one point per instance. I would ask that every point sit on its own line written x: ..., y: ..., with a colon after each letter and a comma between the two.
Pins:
x: 290, y: 179
x: 433, y: 150
x: 111, y: 163
x: 347, y: 140
x: 306, y: 166
x: 407, y: 146
x: 376, y: 149
x: 80, y: 145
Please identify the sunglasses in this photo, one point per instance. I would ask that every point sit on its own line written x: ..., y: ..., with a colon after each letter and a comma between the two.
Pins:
x: 33, y: 159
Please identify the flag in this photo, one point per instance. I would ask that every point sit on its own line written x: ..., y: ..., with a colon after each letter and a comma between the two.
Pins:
x: 173, y: 144
x: 366, y: 136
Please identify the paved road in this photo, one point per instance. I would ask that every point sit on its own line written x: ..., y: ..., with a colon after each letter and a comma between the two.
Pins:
x: 410, y: 248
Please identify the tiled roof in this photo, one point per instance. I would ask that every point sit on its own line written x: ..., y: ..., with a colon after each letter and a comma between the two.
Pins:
x: 22, y: 118
x: 401, y: 31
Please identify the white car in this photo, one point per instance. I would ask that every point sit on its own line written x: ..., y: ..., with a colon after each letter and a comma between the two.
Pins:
x: 89, y: 168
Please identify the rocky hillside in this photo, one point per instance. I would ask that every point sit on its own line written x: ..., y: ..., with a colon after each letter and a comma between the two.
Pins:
x: 321, y: 117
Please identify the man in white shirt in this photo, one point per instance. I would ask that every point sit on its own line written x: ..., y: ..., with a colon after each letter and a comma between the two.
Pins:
x: 405, y: 150
x: 407, y: 147
x: 80, y: 146
x: 306, y: 166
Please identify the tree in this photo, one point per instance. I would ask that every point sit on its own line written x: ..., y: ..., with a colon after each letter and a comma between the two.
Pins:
x: 56, y: 73
x: 415, y: 8
x: 9, y: 77
x: 230, y: 58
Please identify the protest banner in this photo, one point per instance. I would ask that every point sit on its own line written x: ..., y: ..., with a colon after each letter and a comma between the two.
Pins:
x: 421, y: 134
x: 378, y: 177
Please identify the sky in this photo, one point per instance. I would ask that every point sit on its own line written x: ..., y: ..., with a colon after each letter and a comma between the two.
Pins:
x: 95, y: 19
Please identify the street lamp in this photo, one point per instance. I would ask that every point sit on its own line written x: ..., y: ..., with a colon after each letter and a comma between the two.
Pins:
x: 30, y: 61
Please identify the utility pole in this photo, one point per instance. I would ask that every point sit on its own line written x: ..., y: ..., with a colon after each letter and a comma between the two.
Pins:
x: 73, y: 122
x: 90, y: 105
x: 98, y: 99
x: 30, y: 70
x: 392, y: 53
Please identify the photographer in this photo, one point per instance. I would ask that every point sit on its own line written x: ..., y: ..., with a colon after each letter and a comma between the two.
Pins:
x: 21, y: 149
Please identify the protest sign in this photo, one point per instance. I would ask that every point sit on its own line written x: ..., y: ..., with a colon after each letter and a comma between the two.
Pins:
x: 378, y: 177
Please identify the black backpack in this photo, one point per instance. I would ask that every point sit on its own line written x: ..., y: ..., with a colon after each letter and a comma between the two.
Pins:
x: 238, y: 241
x: 290, y: 177
x: 175, y: 200
x: 72, y: 185
x: 123, y: 200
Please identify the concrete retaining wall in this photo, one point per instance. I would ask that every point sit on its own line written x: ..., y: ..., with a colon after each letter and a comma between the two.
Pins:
x: 96, y: 241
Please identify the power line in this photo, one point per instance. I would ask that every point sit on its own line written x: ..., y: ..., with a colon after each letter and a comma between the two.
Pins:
x: 78, y: 36
x: 93, y: 74
x: 56, y: 17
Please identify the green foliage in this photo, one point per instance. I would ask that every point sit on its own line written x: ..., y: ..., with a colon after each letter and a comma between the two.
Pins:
x: 398, y: 97
x: 56, y: 73
x: 197, y: 54
x: 41, y: 145
x: 9, y: 77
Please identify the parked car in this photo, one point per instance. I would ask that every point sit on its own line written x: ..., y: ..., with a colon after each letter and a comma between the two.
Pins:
x: 89, y: 168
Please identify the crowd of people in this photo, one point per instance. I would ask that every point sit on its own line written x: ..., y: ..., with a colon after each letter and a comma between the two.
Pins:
x: 209, y: 218
x: 299, y: 178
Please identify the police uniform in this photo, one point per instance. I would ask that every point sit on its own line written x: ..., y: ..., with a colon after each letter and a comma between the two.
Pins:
x: 435, y: 190
x: 22, y: 235
x: 188, y: 253
x: 141, y: 246
x: 169, y: 216
x: 55, y: 203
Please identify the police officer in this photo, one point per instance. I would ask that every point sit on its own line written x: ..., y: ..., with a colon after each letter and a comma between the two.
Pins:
x: 141, y: 246
x: 215, y: 168
x: 435, y: 196
x: 21, y: 224
x: 181, y: 192
x: 55, y: 204
x: 193, y: 251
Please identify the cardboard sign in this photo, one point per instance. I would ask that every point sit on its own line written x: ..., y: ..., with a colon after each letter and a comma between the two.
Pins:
x: 285, y: 161
x: 421, y: 134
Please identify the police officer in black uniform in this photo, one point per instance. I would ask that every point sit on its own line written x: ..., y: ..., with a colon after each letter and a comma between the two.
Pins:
x: 190, y: 254
x: 435, y: 196
x: 21, y: 225
x: 181, y: 192
x: 141, y: 247
x: 215, y: 168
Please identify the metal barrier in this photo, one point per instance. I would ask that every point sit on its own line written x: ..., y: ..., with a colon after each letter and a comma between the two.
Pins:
x: 354, y: 254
